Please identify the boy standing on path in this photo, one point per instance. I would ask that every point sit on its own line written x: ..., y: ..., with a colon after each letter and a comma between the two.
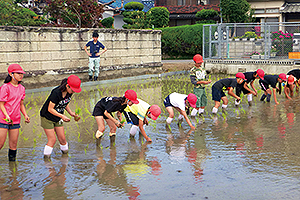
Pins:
x: 198, y: 78
x: 94, y: 56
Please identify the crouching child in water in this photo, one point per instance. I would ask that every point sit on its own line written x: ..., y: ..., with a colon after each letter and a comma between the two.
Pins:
x: 181, y: 103
x: 52, y: 113
x: 106, y: 106
x: 137, y: 114
x: 225, y: 84
x: 199, y: 80
x: 249, y: 78
x: 271, y: 80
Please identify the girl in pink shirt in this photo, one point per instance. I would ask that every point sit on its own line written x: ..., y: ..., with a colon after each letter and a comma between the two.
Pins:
x: 12, y: 95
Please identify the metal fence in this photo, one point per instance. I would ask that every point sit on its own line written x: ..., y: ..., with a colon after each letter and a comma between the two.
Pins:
x: 251, y: 41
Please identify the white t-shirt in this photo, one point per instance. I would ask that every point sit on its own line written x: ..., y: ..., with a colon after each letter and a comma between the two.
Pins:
x: 178, y: 100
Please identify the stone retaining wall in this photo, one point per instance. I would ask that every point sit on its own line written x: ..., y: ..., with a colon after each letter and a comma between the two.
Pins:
x: 234, y: 66
x: 44, y: 50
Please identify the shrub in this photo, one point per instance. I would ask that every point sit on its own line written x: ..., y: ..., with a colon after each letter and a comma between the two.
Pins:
x: 158, y: 16
x: 107, y: 22
x: 182, y: 41
x: 134, y: 6
x: 206, y: 14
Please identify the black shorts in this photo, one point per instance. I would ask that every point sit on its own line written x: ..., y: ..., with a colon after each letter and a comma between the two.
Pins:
x: 99, y: 111
x: 264, y: 86
x: 131, y: 118
x: 240, y: 88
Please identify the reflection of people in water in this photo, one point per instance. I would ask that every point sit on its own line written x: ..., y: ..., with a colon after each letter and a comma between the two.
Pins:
x: 55, y: 182
x: 117, y: 176
x: 197, y: 154
x: 10, y: 186
x: 113, y: 175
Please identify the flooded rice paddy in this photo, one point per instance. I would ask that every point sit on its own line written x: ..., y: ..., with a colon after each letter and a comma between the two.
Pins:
x: 245, y: 153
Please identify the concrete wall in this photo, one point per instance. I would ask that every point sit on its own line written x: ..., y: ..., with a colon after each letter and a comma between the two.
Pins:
x: 234, y: 66
x: 44, y: 50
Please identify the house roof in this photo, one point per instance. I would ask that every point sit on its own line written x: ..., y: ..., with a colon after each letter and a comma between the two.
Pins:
x: 291, y: 8
x: 190, y: 8
x: 148, y: 4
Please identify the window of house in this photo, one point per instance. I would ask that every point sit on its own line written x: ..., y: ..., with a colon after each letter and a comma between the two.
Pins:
x: 272, y: 10
x: 258, y: 11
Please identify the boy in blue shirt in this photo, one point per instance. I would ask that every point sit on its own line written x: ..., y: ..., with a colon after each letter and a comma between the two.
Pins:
x: 94, y: 56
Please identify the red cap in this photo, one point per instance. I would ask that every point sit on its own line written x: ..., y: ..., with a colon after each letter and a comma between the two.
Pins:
x: 240, y: 75
x: 15, y: 68
x: 198, y: 58
x: 291, y: 79
x: 192, y: 99
x: 154, y: 111
x: 282, y: 76
x: 74, y: 82
x: 131, y: 95
x: 260, y: 73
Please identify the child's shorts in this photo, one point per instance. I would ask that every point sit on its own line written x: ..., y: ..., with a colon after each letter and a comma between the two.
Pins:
x: 201, y: 97
x: 264, y: 86
x: 167, y: 102
x: 131, y: 118
x: 48, y: 124
x: 217, y: 94
x: 9, y: 126
x: 240, y: 88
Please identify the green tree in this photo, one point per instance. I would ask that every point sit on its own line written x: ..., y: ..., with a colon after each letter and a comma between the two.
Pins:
x: 236, y: 11
x: 107, y: 22
x: 207, y: 16
x: 70, y: 13
x: 134, y: 16
x: 158, y: 17
x: 13, y: 15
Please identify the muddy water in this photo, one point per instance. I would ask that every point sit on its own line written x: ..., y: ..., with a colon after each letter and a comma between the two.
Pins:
x: 245, y: 153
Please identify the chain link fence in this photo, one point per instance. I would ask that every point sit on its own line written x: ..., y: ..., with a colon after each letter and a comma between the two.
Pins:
x: 252, y: 41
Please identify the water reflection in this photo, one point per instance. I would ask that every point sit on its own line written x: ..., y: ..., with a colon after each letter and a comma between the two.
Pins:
x: 9, y: 185
x: 55, y: 182
x: 244, y: 152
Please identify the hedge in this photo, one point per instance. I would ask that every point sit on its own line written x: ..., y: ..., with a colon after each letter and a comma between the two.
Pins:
x: 182, y: 41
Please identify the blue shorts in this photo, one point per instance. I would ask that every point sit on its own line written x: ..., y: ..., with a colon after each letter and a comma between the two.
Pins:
x: 167, y: 101
x: 217, y: 94
x: 9, y: 126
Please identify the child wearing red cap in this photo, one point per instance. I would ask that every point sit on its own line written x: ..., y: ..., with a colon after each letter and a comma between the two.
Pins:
x: 181, y: 103
x: 136, y: 115
x: 106, y: 106
x: 199, y: 80
x: 271, y: 80
x: 289, y: 87
x: 52, y: 113
x: 12, y: 95
x: 249, y: 78
x: 225, y: 84
x: 296, y: 74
